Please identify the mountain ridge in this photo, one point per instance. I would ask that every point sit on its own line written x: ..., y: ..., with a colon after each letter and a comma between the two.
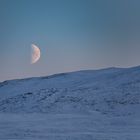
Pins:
x: 28, y: 78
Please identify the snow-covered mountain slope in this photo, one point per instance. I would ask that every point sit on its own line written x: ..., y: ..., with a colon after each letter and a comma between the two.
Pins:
x: 112, y: 90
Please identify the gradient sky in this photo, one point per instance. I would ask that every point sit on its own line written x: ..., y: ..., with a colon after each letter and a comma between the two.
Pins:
x: 72, y: 35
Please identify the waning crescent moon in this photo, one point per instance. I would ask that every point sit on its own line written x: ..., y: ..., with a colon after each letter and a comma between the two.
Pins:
x: 35, y: 54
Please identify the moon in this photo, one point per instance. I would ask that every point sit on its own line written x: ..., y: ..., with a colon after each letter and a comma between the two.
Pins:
x: 35, y: 53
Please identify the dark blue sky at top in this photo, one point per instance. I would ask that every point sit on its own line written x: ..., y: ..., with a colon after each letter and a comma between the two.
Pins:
x: 72, y: 35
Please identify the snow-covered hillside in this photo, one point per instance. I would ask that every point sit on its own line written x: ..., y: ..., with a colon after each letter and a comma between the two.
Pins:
x: 108, y: 91
x: 85, y: 105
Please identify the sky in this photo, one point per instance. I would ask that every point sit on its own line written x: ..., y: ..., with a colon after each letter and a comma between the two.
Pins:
x: 71, y: 34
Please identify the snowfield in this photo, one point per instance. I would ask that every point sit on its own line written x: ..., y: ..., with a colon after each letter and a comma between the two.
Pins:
x: 68, y: 127
x: 84, y: 105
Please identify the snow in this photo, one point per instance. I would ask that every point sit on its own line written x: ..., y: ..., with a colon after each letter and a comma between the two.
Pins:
x: 84, y: 105
x: 68, y: 127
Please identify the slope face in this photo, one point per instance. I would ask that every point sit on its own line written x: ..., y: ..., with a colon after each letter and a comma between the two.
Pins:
x: 113, y: 90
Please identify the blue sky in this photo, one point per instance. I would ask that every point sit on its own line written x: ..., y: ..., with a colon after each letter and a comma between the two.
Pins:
x: 72, y: 35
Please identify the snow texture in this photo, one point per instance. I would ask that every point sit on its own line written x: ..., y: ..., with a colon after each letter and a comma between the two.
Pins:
x: 84, y: 105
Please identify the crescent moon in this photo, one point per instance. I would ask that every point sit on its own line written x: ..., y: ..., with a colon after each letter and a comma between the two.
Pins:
x: 35, y: 54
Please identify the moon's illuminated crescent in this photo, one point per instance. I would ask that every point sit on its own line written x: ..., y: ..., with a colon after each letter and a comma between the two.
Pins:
x: 35, y: 54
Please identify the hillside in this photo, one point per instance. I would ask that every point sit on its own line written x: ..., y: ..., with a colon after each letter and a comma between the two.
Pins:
x: 108, y: 91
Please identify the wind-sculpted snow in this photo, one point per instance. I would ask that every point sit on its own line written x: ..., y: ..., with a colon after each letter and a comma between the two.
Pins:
x: 113, y: 90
